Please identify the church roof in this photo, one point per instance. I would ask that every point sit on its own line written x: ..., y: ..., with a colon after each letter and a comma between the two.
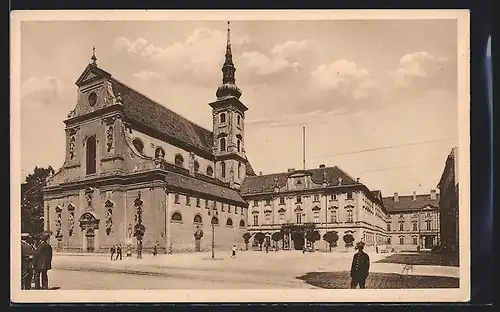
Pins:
x: 266, y: 183
x: 141, y: 109
x: 406, y: 203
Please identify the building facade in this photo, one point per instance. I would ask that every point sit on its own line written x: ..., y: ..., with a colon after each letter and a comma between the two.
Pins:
x: 137, y: 173
x: 449, y: 204
x: 414, y: 221
x: 323, y: 199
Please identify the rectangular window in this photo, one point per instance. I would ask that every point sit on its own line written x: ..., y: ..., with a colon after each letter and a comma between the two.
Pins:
x: 268, y: 202
x: 401, y: 226
x: 236, y: 209
x: 333, y: 197
x: 401, y: 240
x: 299, y: 218
x: 268, y: 218
x: 428, y: 225
x: 414, y: 225
x: 255, y: 219
x: 188, y: 200
x: 176, y: 198
x: 198, y: 202
x: 299, y: 199
x: 388, y: 227
x: 349, y: 216
x: 349, y: 195
x: 255, y: 203
x: 388, y: 240
x: 415, y: 241
x: 333, y: 216
x: 242, y: 211
x: 316, y: 197
x: 282, y: 200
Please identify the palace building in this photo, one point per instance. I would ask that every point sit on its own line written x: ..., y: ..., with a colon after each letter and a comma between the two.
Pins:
x: 136, y: 172
x: 325, y: 199
x: 415, y: 221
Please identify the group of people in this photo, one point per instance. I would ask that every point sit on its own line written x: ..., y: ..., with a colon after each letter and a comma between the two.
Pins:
x: 116, y: 249
x: 36, y: 261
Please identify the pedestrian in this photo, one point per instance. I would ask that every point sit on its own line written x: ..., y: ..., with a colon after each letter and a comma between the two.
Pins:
x: 376, y: 249
x: 27, y: 252
x: 42, y: 262
x: 119, y: 251
x: 112, y: 251
x: 304, y: 248
x: 139, y: 250
x: 155, y: 250
x: 360, y: 267
x: 233, y: 255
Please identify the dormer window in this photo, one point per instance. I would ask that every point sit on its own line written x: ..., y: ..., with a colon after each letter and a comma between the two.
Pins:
x: 222, y: 118
x: 210, y: 171
x: 139, y: 146
x: 196, y: 166
x: 92, y: 98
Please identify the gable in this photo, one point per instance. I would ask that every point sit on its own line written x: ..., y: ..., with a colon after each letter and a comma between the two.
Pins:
x: 90, y: 74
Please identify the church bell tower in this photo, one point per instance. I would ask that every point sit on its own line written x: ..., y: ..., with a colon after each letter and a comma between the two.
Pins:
x: 228, y: 114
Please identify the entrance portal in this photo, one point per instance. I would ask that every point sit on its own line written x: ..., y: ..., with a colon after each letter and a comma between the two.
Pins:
x: 428, y: 242
x: 90, y: 237
x: 298, y: 240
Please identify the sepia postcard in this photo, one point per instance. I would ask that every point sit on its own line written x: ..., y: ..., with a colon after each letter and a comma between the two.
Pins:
x: 240, y: 156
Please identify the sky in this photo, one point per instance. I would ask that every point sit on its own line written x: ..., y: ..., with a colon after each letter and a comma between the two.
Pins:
x: 357, y: 86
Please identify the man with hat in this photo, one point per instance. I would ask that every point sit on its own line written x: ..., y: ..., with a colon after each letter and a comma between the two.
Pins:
x: 27, y: 252
x: 42, y: 261
x: 360, y: 267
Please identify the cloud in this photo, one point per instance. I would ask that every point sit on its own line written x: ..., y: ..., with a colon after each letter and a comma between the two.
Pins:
x: 290, y: 47
x: 147, y: 75
x: 46, y: 84
x: 344, y: 77
x: 415, y: 67
x: 264, y: 65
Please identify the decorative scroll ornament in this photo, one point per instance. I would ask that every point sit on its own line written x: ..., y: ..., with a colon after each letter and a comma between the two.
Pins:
x: 109, y: 137
x: 72, y: 147
x: 139, y: 228
x: 71, y: 219
x: 109, y: 216
x: 88, y: 198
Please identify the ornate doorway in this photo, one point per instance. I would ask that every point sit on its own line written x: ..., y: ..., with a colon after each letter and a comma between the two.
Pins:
x: 89, y: 223
x: 90, y: 237
x: 428, y: 242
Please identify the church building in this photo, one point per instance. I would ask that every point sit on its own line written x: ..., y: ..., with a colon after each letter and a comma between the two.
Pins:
x: 136, y: 172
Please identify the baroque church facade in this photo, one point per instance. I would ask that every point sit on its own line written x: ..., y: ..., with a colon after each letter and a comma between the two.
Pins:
x: 136, y: 172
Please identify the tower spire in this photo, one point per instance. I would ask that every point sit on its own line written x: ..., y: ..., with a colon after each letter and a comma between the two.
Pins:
x: 93, y: 58
x: 228, y: 87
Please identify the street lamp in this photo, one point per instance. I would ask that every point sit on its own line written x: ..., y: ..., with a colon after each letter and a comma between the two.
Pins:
x: 216, y: 213
x: 325, y: 185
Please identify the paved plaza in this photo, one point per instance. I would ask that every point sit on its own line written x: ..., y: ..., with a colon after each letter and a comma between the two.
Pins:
x: 249, y: 270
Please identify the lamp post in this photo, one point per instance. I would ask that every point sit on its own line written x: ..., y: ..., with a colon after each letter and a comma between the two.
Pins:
x: 214, y: 208
x: 325, y: 185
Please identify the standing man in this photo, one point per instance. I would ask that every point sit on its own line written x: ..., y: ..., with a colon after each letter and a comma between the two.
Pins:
x: 119, y: 251
x: 233, y: 255
x: 155, y: 249
x: 27, y: 252
x: 42, y: 261
x: 360, y: 267
x: 112, y: 252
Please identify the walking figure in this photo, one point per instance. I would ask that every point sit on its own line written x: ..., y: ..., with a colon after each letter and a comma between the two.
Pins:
x: 112, y: 252
x: 155, y: 250
x: 360, y: 267
x: 139, y: 250
x: 119, y: 252
x: 42, y: 262
x: 233, y: 255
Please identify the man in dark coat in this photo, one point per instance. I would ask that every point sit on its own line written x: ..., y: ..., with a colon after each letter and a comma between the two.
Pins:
x: 27, y: 252
x: 42, y: 262
x: 119, y: 251
x: 360, y: 267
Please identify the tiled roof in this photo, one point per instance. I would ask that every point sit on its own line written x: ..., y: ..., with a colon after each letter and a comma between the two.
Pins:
x: 192, y: 184
x: 406, y: 203
x: 249, y: 170
x: 149, y: 113
x: 266, y: 183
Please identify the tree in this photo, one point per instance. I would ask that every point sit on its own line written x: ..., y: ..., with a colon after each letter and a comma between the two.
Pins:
x: 331, y: 237
x: 313, y: 236
x: 32, y: 200
x: 246, y: 238
x: 259, y: 238
x: 348, y: 240
x: 277, y: 236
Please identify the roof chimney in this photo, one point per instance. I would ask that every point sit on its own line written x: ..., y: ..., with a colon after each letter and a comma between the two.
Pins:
x: 357, y: 180
x: 396, y: 197
x: 322, y: 166
x: 260, y: 172
x: 433, y: 194
x: 414, y: 196
x: 291, y: 170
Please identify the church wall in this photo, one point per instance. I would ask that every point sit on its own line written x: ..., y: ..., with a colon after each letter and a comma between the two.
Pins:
x: 151, y: 143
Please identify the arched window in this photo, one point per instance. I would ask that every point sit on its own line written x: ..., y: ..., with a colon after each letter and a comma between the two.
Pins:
x: 223, y: 169
x: 215, y: 221
x: 196, y: 166
x: 139, y: 146
x: 210, y: 171
x: 222, y: 144
x: 239, y: 170
x: 349, y: 215
x: 242, y: 223
x: 159, y: 153
x: 402, y: 240
x: 401, y: 226
x: 415, y: 240
x: 414, y: 226
x: 229, y: 222
x: 91, y: 155
x: 176, y: 217
x: 222, y: 117
x: 239, y: 145
x: 179, y: 160
x: 197, y: 219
